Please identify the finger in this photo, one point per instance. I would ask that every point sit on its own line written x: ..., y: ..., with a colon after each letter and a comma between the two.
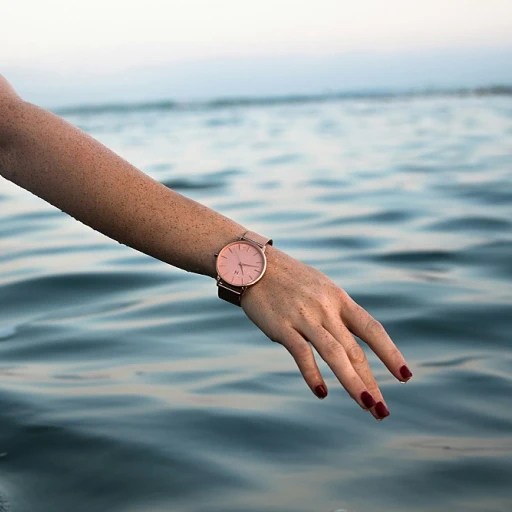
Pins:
x: 360, y: 364
x: 333, y: 353
x: 364, y: 326
x: 303, y: 355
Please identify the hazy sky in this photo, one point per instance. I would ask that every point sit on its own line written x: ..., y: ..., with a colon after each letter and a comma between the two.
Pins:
x: 94, y: 50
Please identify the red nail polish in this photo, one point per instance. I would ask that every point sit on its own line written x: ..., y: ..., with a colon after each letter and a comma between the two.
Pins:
x: 405, y: 372
x: 381, y: 410
x: 320, y: 391
x: 367, y: 399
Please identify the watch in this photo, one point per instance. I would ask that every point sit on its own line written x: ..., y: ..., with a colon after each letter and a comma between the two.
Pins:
x: 241, y: 264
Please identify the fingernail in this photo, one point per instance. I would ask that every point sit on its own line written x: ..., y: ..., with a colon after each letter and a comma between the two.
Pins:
x: 367, y: 399
x: 320, y: 391
x: 381, y: 410
x: 405, y: 372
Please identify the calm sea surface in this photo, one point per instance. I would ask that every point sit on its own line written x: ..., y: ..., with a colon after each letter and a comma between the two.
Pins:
x: 127, y: 386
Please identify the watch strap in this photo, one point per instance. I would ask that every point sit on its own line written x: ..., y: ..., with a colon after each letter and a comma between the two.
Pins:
x: 233, y: 294
x: 229, y: 293
x: 253, y: 237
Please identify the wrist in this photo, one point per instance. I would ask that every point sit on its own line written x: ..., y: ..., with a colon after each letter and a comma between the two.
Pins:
x: 240, y: 265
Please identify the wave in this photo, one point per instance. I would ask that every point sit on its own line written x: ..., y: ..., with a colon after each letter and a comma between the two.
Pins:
x: 257, y: 101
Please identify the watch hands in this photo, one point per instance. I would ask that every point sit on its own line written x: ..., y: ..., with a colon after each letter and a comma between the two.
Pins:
x: 239, y: 262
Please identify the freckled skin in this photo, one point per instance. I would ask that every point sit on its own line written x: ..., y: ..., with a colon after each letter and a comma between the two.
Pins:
x: 293, y: 304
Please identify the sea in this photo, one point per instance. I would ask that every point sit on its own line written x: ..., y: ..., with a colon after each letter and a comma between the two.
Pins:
x: 126, y: 385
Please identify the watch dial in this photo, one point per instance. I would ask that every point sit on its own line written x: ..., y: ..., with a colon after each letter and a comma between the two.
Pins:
x: 240, y: 263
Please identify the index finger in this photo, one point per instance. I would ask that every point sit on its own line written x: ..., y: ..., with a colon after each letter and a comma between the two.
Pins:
x: 371, y: 331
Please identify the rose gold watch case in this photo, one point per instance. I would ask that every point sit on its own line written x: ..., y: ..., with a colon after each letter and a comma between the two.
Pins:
x: 220, y: 276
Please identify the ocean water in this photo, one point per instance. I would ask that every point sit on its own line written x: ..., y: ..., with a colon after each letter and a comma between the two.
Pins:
x: 127, y: 386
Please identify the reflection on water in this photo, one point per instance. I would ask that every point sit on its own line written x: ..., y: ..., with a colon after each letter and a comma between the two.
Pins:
x: 126, y: 385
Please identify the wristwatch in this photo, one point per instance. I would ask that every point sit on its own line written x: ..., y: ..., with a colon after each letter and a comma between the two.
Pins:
x: 241, y: 264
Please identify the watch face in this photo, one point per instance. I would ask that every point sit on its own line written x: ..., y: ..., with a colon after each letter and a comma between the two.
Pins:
x: 241, y: 263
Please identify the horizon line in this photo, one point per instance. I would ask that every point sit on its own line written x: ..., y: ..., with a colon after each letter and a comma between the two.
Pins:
x: 247, y: 101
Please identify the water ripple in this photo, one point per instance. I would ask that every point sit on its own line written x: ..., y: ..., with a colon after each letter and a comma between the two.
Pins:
x: 126, y: 385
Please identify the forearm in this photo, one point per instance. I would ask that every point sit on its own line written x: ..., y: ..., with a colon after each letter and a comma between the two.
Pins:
x: 59, y: 163
x: 292, y: 304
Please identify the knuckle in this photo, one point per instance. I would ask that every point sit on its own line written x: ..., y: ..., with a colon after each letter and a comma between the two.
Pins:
x: 303, y: 311
x: 373, y: 328
x: 331, y: 348
x: 301, y: 351
x: 324, y: 305
x: 343, y: 296
x: 321, y: 301
x: 278, y: 337
x: 356, y: 354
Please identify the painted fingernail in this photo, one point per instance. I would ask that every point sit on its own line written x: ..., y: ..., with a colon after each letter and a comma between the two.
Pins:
x: 381, y: 410
x: 320, y: 391
x: 367, y: 399
x: 405, y: 372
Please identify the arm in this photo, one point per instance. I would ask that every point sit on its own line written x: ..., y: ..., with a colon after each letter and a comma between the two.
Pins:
x: 8, y: 100
x: 61, y: 164
x: 293, y: 304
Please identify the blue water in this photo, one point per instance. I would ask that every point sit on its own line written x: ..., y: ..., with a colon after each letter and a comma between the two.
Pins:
x: 126, y: 385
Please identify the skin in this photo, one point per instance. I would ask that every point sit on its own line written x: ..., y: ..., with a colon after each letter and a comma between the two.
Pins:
x: 294, y: 304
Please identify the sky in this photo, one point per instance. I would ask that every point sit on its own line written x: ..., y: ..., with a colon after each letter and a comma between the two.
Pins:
x: 73, y: 52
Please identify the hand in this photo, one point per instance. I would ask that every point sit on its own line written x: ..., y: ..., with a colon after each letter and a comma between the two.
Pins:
x: 294, y: 304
